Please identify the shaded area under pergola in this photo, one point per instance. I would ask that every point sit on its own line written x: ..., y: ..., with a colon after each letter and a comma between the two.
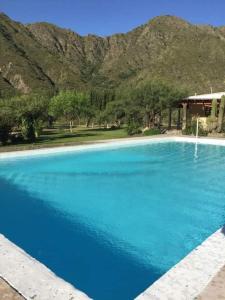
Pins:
x: 197, y: 105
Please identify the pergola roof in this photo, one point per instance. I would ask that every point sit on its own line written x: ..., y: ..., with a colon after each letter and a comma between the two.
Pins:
x: 212, y: 96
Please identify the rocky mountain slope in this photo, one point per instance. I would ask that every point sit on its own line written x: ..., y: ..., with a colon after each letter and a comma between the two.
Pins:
x: 42, y: 56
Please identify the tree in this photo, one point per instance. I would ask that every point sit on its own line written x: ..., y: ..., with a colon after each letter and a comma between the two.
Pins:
x: 31, y: 113
x: 6, y: 120
x: 70, y: 105
x: 99, y: 105
x: 151, y: 98
x: 116, y: 111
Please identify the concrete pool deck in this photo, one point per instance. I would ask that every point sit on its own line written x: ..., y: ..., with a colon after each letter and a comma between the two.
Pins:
x: 185, y: 281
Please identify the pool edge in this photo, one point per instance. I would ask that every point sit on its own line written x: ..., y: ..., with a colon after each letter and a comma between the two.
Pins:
x: 188, y: 278
x: 31, y: 278
x: 112, y: 143
x: 103, y: 144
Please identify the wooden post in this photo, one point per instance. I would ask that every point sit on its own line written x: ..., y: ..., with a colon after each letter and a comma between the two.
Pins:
x: 178, y: 118
x: 184, y: 123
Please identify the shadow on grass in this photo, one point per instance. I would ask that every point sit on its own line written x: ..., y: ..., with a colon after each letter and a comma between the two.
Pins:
x: 102, y: 129
x: 56, y: 137
x: 73, y: 250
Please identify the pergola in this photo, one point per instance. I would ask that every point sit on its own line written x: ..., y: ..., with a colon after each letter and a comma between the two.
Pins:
x: 198, y: 105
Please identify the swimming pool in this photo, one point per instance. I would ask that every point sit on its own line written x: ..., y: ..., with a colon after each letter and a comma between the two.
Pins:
x: 112, y: 221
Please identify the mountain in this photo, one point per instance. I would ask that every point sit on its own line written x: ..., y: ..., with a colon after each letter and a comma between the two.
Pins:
x: 42, y: 56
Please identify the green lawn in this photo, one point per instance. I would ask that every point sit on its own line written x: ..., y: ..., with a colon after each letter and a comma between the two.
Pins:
x: 60, y: 137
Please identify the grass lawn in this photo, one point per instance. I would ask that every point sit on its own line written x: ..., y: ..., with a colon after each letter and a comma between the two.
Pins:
x: 60, y: 137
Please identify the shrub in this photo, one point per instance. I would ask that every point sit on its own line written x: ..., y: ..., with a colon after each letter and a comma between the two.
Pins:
x: 27, y: 130
x: 133, y: 128
x: 212, y: 123
x: 4, y: 133
x: 191, y: 130
x: 38, y: 127
x: 187, y: 131
x: 6, y: 121
x: 152, y: 131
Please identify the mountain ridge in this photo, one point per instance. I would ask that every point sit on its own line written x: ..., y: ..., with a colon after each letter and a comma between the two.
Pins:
x: 43, y: 56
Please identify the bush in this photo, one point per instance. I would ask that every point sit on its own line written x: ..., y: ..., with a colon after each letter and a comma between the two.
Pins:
x: 191, y: 130
x: 152, y: 131
x: 38, y: 127
x: 16, y: 138
x: 27, y: 130
x: 133, y: 128
x: 212, y: 123
x: 6, y: 121
x: 187, y: 131
x: 4, y: 133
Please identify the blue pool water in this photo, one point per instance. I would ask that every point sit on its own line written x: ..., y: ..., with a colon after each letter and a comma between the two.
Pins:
x: 113, y: 221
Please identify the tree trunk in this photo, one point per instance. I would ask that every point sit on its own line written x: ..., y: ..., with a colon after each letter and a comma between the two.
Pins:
x: 148, y: 120
x: 88, y: 122
x: 151, y: 120
x: 169, y: 118
x: 178, y: 119
x: 221, y: 114
x: 159, y: 120
x: 78, y: 121
x: 71, y: 126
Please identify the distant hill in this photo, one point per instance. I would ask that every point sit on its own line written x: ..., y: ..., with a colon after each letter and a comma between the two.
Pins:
x: 42, y: 56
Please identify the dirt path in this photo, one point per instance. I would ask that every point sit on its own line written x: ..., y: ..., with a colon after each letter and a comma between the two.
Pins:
x: 216, y: 288
x: 7, y: 292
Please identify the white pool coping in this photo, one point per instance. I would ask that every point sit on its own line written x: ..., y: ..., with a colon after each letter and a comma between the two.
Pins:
x: 184, y: 281
x: 106, y: 144
x: 187, y: 279
x: 32, y: 279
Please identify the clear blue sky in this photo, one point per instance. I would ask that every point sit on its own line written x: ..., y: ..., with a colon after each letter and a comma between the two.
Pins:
x: 104, y: 17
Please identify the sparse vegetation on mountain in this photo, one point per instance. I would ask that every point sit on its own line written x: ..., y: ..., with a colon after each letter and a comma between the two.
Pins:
x: 42, y: 56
